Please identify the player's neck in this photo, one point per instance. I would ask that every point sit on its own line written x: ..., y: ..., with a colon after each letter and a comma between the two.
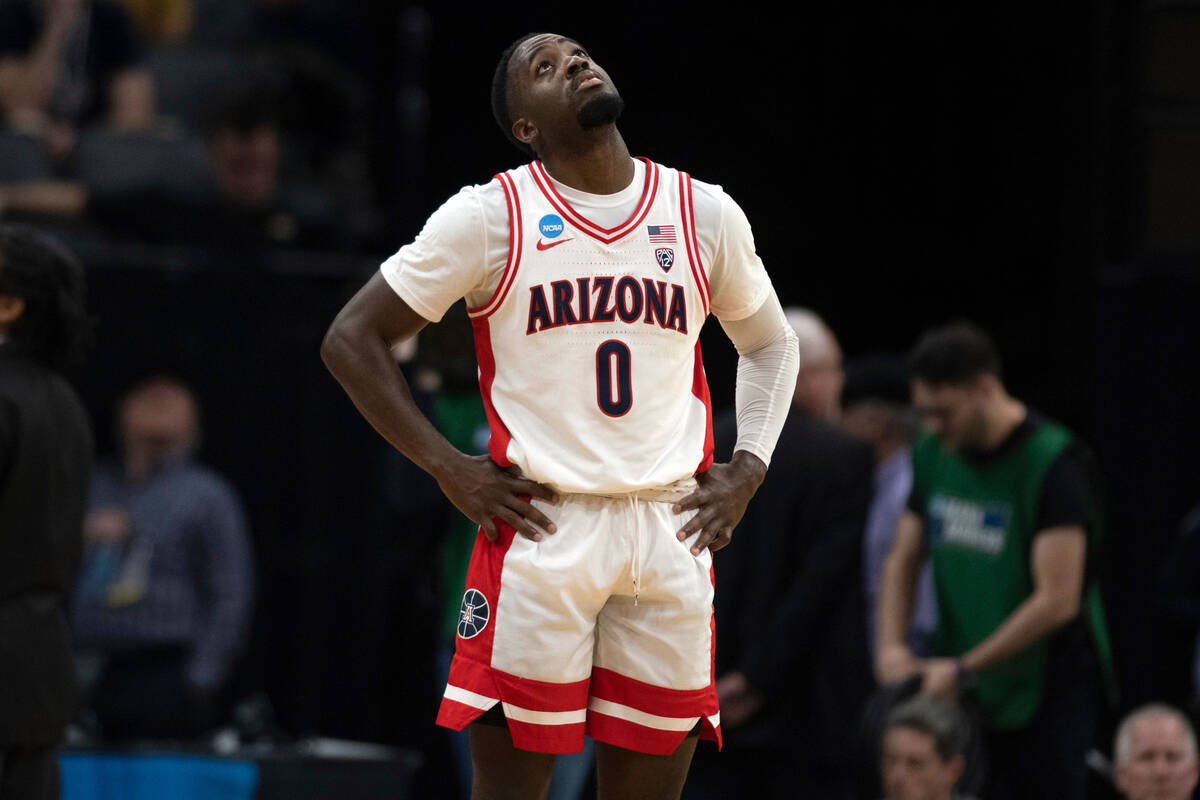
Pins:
x: 597, y: 164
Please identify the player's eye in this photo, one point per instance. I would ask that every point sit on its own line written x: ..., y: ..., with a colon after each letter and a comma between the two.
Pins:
x: 543, y: 66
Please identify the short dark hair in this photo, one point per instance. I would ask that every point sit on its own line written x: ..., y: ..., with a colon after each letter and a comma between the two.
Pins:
x: 500, y: 109
x: 957, y: 353
x: 54, y: 326
x: 943, y: 722
x: 244, y: 105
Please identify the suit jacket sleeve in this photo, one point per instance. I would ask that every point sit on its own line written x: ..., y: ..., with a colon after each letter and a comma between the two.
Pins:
x: 830, y: 567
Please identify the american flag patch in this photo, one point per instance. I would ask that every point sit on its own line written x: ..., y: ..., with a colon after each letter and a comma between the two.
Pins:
x: 661, y: 234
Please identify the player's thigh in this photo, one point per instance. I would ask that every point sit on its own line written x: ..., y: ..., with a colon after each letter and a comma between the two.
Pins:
x: 623, y: 774
x: 502, y: 772
x: 543, y: 597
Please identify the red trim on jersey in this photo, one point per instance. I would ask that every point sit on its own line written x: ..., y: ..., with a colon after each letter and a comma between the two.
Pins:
x: 657, y: 700
x: 700, y: 390
x: 542, y: 695
x: 515, y: 243
x: 483, y: 575
x: 500, y: 437
x: 689, y: 238
x: 526, y: 695
x: 632, y: 736
x: 605, y: 235
x: 707, y: 729
x: 547, y: 738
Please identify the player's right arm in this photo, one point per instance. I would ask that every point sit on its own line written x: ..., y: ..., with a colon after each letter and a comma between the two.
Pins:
x: 897, y: 591
x: 357, y: 351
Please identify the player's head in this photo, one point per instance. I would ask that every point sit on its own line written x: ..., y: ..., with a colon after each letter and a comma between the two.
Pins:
x: 546, y: 88
x: 820, y: 377
x: 956, y: 378
x: 42, y: 306
x: 922, y: 751
x: 1155, y: 755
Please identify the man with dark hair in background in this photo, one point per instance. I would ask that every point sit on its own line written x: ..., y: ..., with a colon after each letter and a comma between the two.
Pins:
x: 1005, y: 504
x: 45, y: 464
x: 923, y: 750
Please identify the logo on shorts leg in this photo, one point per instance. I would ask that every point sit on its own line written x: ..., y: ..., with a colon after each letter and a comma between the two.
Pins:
x: 473, y: 614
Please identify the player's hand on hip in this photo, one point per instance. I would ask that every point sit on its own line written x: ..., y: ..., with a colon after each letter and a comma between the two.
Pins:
x: 721, y: 499
x: 487, y: 494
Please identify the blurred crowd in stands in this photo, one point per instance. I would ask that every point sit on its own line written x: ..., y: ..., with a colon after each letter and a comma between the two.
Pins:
x: 188, y: 122
x: 242, y: 125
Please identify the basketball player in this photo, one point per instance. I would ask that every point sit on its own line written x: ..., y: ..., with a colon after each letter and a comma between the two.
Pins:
x: 587, y: 275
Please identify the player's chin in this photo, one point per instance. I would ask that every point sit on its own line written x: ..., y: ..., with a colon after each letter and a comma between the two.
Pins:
x: 603, y: 109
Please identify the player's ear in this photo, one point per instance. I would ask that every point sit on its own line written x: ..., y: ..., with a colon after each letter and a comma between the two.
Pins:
x: 525, y: 131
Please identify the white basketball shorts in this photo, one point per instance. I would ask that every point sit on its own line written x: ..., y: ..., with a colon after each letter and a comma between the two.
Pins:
x: 604, y: 628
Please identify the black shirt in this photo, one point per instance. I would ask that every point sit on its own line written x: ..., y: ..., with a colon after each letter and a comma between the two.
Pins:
x: 1064, y: 496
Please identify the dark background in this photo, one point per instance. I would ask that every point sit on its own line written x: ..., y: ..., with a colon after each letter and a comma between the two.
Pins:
x: 1033, y: 167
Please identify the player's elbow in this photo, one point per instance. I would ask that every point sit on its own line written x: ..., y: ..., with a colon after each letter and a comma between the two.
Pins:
x: 336, y: 345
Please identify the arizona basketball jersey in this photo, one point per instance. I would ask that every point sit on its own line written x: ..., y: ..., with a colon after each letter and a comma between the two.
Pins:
x: 588, y: 349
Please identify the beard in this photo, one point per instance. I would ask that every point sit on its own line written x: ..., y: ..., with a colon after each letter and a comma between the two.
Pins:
x: 603, y: 110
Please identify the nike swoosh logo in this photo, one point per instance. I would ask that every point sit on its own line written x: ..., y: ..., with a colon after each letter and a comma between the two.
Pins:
x: 547, y: 245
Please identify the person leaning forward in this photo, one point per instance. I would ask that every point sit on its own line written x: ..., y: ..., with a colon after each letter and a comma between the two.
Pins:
x: 1005, y: 505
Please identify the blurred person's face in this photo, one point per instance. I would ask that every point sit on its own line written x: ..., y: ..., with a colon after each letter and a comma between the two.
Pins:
x: 157, y: 421
x: 912, y: 768
x: 819, y: 382
x: 247, y: 164
x: 866, y: 421
x: 1159, y: 765
x: 954, y: 413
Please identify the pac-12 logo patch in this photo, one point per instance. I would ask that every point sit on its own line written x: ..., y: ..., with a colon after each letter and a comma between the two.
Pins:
x: 551, y: 225
x: 666, y: 258
x: 473, y: 614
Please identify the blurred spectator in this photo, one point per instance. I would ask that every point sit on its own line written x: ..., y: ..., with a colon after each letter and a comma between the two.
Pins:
x: 165, y: 595
x: 924, y: 743
x: 162, y: 22
x: 251, y: 203
x: 792, y: 662
x: 877, y: 408
x: 819, y: 385
x: 1005, y: 504
x: 1155, y: 754
x: 45, y: 463
x: 65, y: 64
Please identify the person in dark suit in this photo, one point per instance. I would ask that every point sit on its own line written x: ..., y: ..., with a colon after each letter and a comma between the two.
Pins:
x: 792, y: 661
x: 45, y: 466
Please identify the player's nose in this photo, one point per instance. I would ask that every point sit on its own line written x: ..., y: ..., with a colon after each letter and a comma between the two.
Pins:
x: 576, y: 62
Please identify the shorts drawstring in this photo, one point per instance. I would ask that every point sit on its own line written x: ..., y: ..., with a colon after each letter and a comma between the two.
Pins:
x: 637, y: 548
x: 669, y: 493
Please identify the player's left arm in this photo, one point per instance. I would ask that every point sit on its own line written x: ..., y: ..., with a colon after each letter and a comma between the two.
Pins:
x: 768, y: 360
x: 767, y: 363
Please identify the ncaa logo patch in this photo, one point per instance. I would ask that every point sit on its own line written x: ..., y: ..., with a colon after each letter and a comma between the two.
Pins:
x: 472, y: 614
x: 665, y: 257
x: 551, y: 225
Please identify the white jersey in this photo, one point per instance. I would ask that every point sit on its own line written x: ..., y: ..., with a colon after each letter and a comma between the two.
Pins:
x: 587, y: 333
